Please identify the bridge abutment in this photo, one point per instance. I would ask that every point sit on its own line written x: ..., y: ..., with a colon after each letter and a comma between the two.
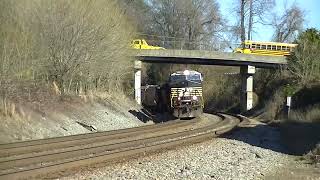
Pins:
x: 137, y: 81
x: 246, y: 94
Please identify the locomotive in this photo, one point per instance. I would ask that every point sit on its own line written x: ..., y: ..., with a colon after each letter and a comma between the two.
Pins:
x: 181, y: 95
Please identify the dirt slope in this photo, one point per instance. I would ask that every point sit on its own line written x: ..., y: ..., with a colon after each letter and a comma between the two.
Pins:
x: 67, y: 118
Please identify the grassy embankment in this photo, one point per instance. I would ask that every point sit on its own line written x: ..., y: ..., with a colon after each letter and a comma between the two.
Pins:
x: 301, y: 81
x: 52, y: 51
x: 301, y: 130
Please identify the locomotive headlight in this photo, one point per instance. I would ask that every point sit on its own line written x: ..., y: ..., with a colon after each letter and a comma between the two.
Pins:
x: 186, y: 72
x: 180, y: 94
x: 179, y: 98
x: 194, y: 98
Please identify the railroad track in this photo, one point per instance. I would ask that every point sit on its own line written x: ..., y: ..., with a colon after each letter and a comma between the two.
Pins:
x: 33, y: 158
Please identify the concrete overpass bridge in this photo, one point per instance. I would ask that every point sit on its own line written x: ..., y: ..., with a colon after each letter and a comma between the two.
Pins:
x: 246, y: 62
x: 209, y: 58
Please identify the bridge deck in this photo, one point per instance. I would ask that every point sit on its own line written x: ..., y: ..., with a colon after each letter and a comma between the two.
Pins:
x: 209, y: 58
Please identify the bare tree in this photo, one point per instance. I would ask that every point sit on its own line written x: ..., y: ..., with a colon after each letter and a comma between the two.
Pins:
x: 250, y: 19
x: 189, y: 20
x: 250, y: 13
x: 137, y: 13
x: 242, y: 21
x: 289, y: 24
x: 187, y: 24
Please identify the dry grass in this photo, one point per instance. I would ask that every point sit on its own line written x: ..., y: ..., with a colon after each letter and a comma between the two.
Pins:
x: 309, y: 115
x: 273, y: 107
x: 8, y: 107
x: 312, y: 116
x: 314, y: 155
x: 53, y: 49
x: 301, y: 133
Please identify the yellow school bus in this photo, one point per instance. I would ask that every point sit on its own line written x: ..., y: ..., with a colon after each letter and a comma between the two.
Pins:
x: 142, y: 44
x: 266, y: 48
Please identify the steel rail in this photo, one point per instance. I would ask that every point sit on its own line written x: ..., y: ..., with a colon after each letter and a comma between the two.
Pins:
x: 80, y: 136
x: 70, y: 141
x: 80, y: 151
x: 109, y: 145
x: 110, y: 152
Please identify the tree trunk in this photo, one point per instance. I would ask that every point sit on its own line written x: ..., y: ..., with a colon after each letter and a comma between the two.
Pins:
x: 250, y: 21
x: 243, y: 32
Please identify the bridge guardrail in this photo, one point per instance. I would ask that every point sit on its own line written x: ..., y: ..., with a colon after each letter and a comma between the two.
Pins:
x: 186, y: 44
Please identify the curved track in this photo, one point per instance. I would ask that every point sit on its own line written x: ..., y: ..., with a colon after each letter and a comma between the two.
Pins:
x: 32, y: 158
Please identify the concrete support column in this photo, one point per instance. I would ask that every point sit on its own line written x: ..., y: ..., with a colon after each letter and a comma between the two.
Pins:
x: 137, y: 81
x: 246, y: 94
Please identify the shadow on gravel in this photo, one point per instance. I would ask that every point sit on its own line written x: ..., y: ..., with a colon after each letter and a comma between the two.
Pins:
x: 300, y: 138
x: 145, y: 116
x: 288, y: 138
x: 263, y: 136
x: 142, y: 115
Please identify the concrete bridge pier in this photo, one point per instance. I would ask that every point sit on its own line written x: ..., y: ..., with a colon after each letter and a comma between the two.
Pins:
x: 137, y: 81
x: 246, y: 94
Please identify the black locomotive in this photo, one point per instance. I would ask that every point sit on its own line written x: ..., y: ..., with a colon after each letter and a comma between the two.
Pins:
x: 181, y: 95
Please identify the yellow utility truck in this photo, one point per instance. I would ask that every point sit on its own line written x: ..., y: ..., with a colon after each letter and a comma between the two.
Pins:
x: 142, y: 44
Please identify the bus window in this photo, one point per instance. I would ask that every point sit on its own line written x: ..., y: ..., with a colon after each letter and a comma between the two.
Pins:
x: 283, y: 48
x: 247, y: 46
x: 269, y: 47
x: 258, y: 46
x: 278, y: 48
x: 273, y: 47
x: 263, y: 46
x: 253, y: 46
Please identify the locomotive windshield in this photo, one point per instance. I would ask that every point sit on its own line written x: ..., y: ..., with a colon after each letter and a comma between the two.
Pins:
x: 177, y: 78
x: 194, y: 77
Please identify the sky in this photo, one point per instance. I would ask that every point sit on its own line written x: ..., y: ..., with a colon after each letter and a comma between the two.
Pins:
x: 264, y: 33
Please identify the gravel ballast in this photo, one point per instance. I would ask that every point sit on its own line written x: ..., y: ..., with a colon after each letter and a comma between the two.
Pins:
x: 247, y: 153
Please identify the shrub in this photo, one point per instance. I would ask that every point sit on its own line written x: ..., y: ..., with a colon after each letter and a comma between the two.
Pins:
x: 304, y: 63
x: 72, y: 46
